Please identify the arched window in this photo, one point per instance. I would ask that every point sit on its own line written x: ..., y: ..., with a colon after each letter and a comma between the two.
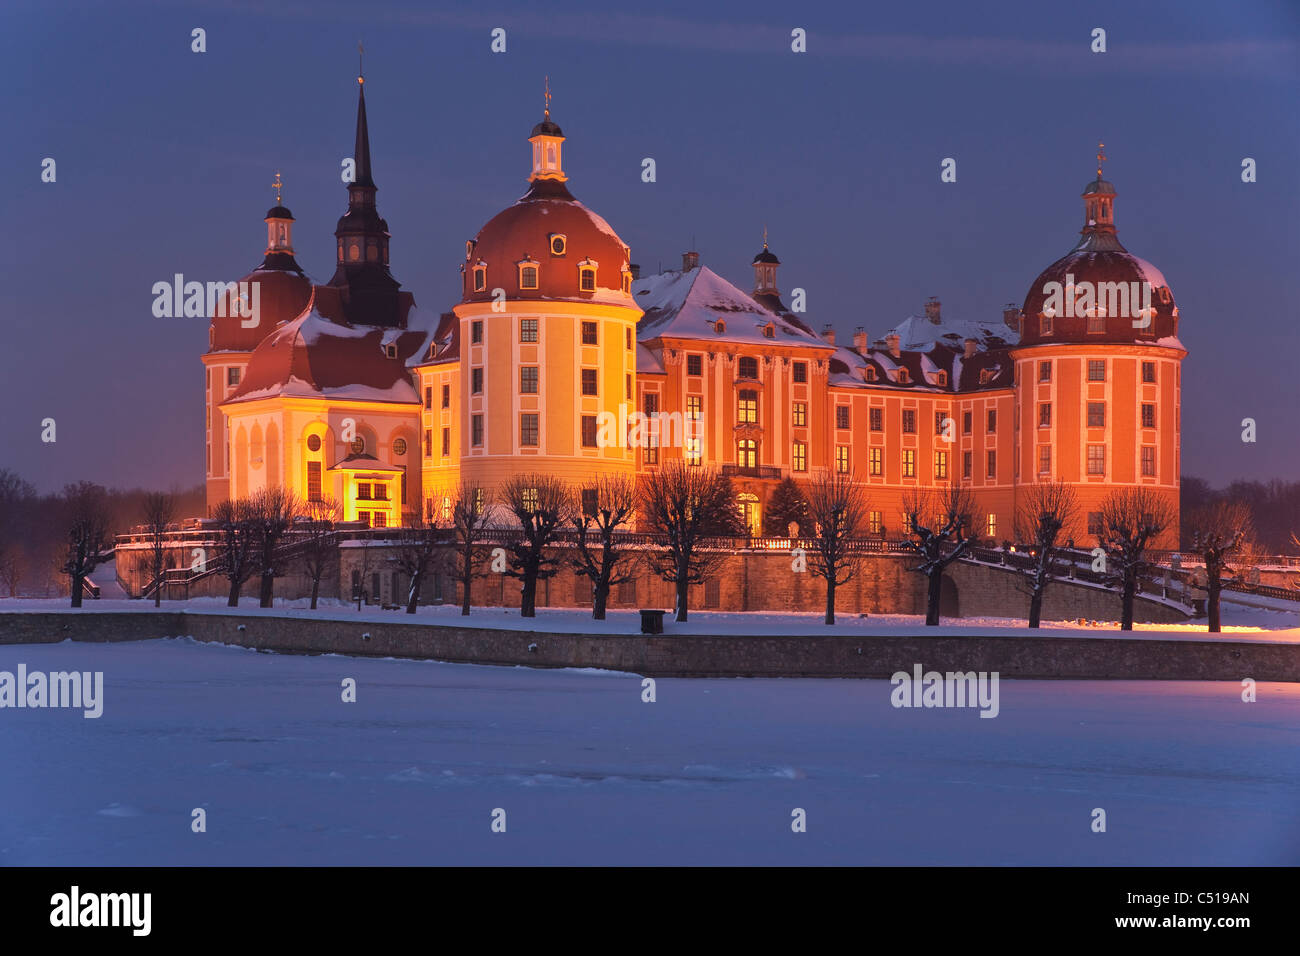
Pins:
x: 480, y: 277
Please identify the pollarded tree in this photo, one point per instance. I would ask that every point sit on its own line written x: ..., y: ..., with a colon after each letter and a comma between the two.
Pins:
x: 1047, y: 509
x: 1219, y: 531
x: 85, y: 515
x: 159, y: 509
x: 236, y: 530
x: 687, y: 505
x: 318, y: 542
x: 272, y: 511
x: 469, y: 521
x: 1131, y: 519
x: 787, y: 506
x: 937, y: 522
x: 838, y: 508
x: 422, y: 550
x: 606, y: 507
x: 541, y: 504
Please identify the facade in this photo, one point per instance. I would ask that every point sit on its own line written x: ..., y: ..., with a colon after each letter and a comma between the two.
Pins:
x: 560, y: 358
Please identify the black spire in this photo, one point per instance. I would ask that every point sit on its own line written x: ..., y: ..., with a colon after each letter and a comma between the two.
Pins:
x: 361, y: 152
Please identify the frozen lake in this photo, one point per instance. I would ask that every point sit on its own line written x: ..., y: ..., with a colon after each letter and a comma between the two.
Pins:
x: 589, y: 774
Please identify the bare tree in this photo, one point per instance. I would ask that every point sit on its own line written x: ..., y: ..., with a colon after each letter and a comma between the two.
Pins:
x: 1131, y: 518
x: 937, y: 522
x: 318, y: 540
x: 541, y: 504
x: 159, y: 510
x: 18, y: 505
x: 1047, y: 509
x: 688, y: 504
x: 85, y: 506
x: 273, y: 511
x: 607, y: 506
x: 838, y: 508
x: 1219, y: 531
x: 469, y: 519
x: 422, y: 546
x: 237, y: 532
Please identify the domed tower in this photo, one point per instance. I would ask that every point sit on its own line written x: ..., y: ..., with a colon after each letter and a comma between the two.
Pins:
x: 765, y: 288
x: 547, y: 333
x: 283, y: 291
x: 1098, y: 372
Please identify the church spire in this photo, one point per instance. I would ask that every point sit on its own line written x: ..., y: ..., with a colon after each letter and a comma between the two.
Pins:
x: 361, y: 152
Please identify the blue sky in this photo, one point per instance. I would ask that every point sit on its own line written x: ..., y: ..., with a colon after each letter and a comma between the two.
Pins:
x: 165, y: 159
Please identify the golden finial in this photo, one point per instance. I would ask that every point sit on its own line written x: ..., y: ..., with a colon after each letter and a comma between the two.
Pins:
x: 547, y: 94
x: 277, y: 186
x: 1101, y: 157
x: 361, y: 71
x: 764, y: 236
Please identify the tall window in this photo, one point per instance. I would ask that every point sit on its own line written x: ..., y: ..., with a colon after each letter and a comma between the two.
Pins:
x: 875, y: 460
x: 693, y: 407
x: 990, y: 464
x: 875, y: 522
x: 747, y: 453
x: 476, y: 381
x: 476, y: 431
x: 841, y: 416
x: 446, y: 396
x: 1096, y: 459
x: 528, y: 277
x: 446, y: 442
x: 428, y: 396
x: 991, y: 525
x: 588, y: 333
x: 800, y: 414
x: 1045, y: 415
x: 1094, y: 523
x: 1148, y: 461
x: 992, y: 421
x: 800, y: 371
x: 528, y: 379
x: 528, y: 429
x: 1148, y: 371
x: 588, y: 431
x: 966, y: 466
x: 1148, y: 415
x: 1044, y: 371
x: 476, y: 332
x: 877, y: 416
x: 1045, y: 324
x: 232, y: 376
x: 480, y: 278
x: 940, y: 465
x: 588, y: 381
x: 909, y: 421
x: 965, y: 423
x: 313, y: 481
x: 1096, y: 414
x: 1096, y: 323
x: 939, y: 419
x: 799, y: 457
x: 527, y: 330
x: 1044, y: 459
x: 1096, y: 370
x: 747, y: 407
x: 428, y: 443
x: 842, y: 459
x: 587, y: 280
x: 695, y: 365
x: 747, y: 367
x: 909, y: 463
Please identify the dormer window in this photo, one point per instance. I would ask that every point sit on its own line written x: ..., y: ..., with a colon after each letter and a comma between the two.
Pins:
x: 869, y: 373
x: 719, y: 326
x: 903, y: 377
x: 587, y: 275
x: 986, y: 376
x: 480, y: 276
x: 469, y: 249
x: 941, y: 379
x: 528, y: 273
x: 769, y: 331
x: 1045, y: 324
x: 391, y: 350
x: 559, y: 244
x: 627, y: 280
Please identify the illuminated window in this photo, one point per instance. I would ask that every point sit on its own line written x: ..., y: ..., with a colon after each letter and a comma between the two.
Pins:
x: 529, y: 500
x: 991, y: 525
x: 842, y: 459
x: 1094, y: 523
x: 875, y: 459
x: 909, y: 463
x: 693, y: 407
x: 940, y: 464
x: 747, y: 407
x: 800, y: 414
x: 799, y: 456
x: 747, y: 453
x: 875, y: 522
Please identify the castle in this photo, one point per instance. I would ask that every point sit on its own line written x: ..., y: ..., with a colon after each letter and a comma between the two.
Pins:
x: 346, y: 390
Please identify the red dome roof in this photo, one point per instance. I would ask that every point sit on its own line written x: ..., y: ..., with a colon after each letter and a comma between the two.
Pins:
x: 528, y: 229
x: 282, y: 295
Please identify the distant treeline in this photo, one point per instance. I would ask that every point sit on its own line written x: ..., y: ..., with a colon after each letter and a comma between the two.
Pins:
x: 1274, y: 506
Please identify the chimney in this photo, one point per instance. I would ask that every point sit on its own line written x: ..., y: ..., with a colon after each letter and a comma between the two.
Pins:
x: 828, y: 333
x: 932, y: 309
x: 892, y: 341
x: 971, y: 347
x: 635, y: 270
x: 690, y: 260
x: 860, y: 339
x: 1011, y: 316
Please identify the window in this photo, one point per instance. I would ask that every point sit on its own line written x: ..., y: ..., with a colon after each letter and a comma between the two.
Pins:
x: 379, y: 519
x: 940, y: 464
x: 1148, y: 371
x: 769, y: 331
x: 528, y: 379
x: 965, y: 423
x: 381, y: 491
x: 1096, y: 459
x: 692, y: 451
x: 800, y: 414
x: 842, y: 459
x: 990, y: 464
x: 800, y: 371
x: 390, y: 351
x: 1045, y: 415
x: 590, y: 502
x: 693, y: 407
x: 358, y: 446
x: 476, y: 381
x: 799, y: 456
x: 1044, y: 371
x: 747, y: 453
x: 476, y: 332
x: 694, y: 364
x: 875, y: 523
x: 558, y: 244
x: 1045, y: 324
x: 909, y: 421
x: 480, y: 500
x: 588, y: 431
x: 875, y: 461
x: 991, y: 525
x: 480, y: 278
x: 1148, y: 461
x: 650, y: 452
x: 528, y: 500
x: 747, y: 407
x: 313, y: 481
x: 1096, y: 323
x: 909, y: 463
x: 1044, y: 459
x: 1096, y: 414
x: 627, y: 338
x: 232, y: 376
x: 650, y: 401
x: 528, y: 429
x: 938, y: 422
x: 841, y: 416
x: 587, y: 279
x: 589, y: 333
x: 428, y: 443
x: 527, y: 330
x: 627, y: 385
x: 903, y: 377
x: 476, y: 431
x: 446, y: 396
x: 1148, y: 415
x: 1094, y: 523
x: 446, y: 442
x: 588, y: 381
x: 528, y: 277
x: 992, y: 421
x: 363, y: 491
x: 313, y: 443
x: 428, y: 396
x: 966, y: 466
x: 877, y: 419
x: 1096, y: 370
x: 941, y: 378
x: 747, y: 367
x: 869, y: 373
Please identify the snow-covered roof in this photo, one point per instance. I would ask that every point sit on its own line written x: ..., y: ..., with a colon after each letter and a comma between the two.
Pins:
x: 919, y: 333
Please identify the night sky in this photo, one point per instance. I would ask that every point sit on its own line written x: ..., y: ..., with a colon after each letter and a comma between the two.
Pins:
x: 165, y: 159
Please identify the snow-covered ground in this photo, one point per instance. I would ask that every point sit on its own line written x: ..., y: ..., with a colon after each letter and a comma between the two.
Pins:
x: 589, y: 774
x: 1263, y: 619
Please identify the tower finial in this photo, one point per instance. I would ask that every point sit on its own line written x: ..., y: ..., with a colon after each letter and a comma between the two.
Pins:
x: 361, y: 68
x: 547, y: 112
x: 1101, y: 157
x: 277, y: 186
x: 764, y: 235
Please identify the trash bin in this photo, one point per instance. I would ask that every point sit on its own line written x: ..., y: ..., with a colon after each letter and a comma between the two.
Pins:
x: 652, y: 621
